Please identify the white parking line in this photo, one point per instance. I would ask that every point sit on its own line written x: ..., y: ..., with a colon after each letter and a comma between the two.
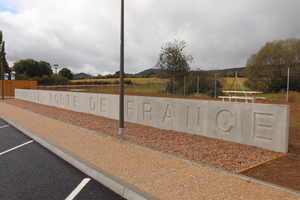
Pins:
x: 78, y: 189
x: 16, y: 147
x: 4, y: 126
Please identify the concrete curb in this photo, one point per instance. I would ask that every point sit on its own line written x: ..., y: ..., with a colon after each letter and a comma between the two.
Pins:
x: 114, y: 183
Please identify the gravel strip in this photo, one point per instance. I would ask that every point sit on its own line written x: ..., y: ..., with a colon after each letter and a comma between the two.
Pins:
x: 214, y: 152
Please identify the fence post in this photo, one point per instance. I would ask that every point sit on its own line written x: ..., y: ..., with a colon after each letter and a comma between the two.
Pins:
x: 198, y: 85
x: 165, y: 86
x: 215, y: 85
x: 184, y: 85
x: 288, y: 85
x: 156, y: 86
x: 173, y: 86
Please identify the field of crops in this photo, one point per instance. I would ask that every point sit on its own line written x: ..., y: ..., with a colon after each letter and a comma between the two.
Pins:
x: 230, y: 83
x: 134, y: 80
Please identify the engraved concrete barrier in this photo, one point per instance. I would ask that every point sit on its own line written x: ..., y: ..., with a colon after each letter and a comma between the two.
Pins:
x: 261, y: 125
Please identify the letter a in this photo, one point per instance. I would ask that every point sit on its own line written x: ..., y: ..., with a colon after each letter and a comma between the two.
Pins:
x: 168, y: 114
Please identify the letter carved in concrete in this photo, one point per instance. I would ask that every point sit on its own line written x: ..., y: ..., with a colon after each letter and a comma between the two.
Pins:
x: 192, y: 116
x: 103, y: 107
x: 92, y: 103
x: 75, y: 102
x: 263, y: 126
x: 56, y: 98
x: 168, y: 115
x: 67, y: 100
x: 51, y: 97
x: 147, y: 110
x: 62, y: 100
x: 224, y: 121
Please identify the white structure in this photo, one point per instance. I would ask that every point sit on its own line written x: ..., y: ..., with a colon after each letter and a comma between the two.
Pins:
x: 12, y: 75
x: 261, y: 125
x: 6, y: 76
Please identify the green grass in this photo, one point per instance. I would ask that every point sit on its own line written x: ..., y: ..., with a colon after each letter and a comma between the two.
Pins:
x: 281, y: 96
x: 146, y: 88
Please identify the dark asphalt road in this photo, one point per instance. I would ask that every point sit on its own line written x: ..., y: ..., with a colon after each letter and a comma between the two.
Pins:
x: 33, y: 172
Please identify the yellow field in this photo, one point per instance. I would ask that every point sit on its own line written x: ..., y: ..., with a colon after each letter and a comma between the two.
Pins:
x: 134, y: 80
x: 226, y: 82
x: 229, y: 82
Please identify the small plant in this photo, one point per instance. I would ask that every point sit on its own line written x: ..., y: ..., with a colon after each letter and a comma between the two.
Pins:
x: 293, y: 96
x: 282, y: 95
x: 127, y: 82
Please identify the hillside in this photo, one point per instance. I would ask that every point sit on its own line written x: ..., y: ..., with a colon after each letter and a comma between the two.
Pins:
x: 232, y: 71
x: 228, y: 72
x: 239, y: 70
x: 86, y: 76
x: 140, y: 74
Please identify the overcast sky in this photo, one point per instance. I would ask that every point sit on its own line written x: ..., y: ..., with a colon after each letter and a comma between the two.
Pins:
x: 84, y: 36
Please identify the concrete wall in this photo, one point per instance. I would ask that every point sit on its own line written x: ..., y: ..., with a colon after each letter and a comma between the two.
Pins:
x: 261, y: 125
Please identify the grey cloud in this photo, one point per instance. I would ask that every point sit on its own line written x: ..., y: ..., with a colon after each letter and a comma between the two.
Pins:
x: 85, y: 36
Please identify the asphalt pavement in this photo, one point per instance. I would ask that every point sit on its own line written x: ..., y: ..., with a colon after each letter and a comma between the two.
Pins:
x: 29, y: 171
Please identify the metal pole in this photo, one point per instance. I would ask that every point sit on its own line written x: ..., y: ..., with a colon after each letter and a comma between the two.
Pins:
x: 288, y: 86
x: 184, y: 85
x: 198, y: 85
x: 2, y: 54
x: 56, y: 65
x: 156, y: 86
x: 235, y: 80
x: 165, y: 86
x: 2, y: 77
x: 173, y: 86
x: 215, y: 85
x: 121, y: 112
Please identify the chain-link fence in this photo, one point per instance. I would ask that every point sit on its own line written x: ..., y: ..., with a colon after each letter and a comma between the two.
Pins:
x: 293, y: 85
x: 189, y: 85
x: 202, y: 85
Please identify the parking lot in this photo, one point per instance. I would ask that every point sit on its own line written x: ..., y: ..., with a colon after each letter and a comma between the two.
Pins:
x: 29, y: 171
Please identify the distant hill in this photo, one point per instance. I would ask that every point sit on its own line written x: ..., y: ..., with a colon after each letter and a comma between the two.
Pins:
x: 86, y: 76
x: 228, y: 71
x: 153, y: 70
x: 231, y: 71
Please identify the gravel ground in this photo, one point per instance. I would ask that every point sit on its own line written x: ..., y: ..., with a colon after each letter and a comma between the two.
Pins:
x: 218, y: 153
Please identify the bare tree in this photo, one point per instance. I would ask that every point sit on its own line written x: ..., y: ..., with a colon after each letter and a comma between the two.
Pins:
x: 173, y: 61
